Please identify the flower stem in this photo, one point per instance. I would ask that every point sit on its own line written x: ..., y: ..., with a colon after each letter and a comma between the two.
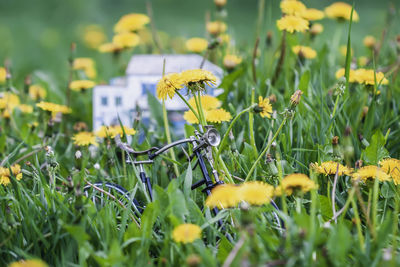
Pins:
x: 375, y: 197
x: 188, y: 104
x: 200, y: 109
x: 358, y: 224
x: 168, y: 135
x: 265, y: 150
x: 251, y: 125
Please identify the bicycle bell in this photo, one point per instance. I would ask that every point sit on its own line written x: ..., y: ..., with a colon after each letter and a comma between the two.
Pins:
x: 212, y: 136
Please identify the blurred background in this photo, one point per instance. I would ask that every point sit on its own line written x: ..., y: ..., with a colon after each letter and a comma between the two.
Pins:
x: 36, y: 35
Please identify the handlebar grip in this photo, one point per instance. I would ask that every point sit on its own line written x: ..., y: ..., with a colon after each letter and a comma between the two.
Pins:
x: 197, y: 184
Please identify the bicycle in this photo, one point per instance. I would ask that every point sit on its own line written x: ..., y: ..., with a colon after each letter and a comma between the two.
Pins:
x: 202, y: 150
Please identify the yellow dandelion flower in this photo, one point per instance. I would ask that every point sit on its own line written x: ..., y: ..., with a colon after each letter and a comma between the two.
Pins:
x: 83, y: 63
x: 186, y: 233
x: 196, y: 45
x: 290, y: 7
x: 330, y: 167
x: 341, y: 72
x: 312, y: 14
x: 4, y: 180
x: 367, y: 76
x: 128, y: 131
x: 341, y: 11
x: 126, y: 40
x: 6, y: 114
x: 3, y: 75
x: 216, y: 27
x: 93, y: 36
x: 110, y: 48
x: 292, y: 24
x: 211, y: 115
x: 199, y: 76
x: 304, y: 51
x: 131, y: 22
x: 168, y: 84
x: 218, y: 115
x: 91, y: 73
x: 224, y: 38
x: 53, y: 108
x: 37, y: 92
x: 28, y: 263
x: 369, y: 41
x: 370, y: 172
x: 80, y: 85
x: 15, y: 169
x: 191, y: 118
x: 256, y: 193
x: 25, y: 108
x: 293, y: 182
x: 84, y: 139
x: 224, y: 196
x: 9, y: 100
x: 392, y: 167
x: 5, y: 174
x: 264, y: 107
x: 207, y: 102
x: 231, y: 61
x: 316, y: 28
x: 112, y: 131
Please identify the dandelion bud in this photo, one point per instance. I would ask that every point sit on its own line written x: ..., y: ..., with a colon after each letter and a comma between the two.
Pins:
x: 369, y: 41
x: 220, y: 3
x: 271, y: 165
x: 359, y: 164
x: 272, y: 98
x: 363, y: 140
x: 193, y: 260
x: 335, y: 140
x: 295, y: 98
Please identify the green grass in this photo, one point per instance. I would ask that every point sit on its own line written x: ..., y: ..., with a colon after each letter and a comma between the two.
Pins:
x: 45, y: 214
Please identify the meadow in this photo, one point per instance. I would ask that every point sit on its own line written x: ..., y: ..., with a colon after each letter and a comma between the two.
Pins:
x: 308, y: 119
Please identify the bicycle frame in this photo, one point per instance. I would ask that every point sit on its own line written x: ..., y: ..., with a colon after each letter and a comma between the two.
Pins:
x: 200, y: 143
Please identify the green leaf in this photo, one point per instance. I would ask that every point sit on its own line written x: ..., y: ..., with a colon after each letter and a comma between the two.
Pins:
x: 224, y: 249
x: 387, y: 191
x: 325, y: 207
x: 149, y: 218
x: 339, y: 243
x: 304, y: 82
x: 188, y: 181
x: 228, y: 81
x: 376, y: 150
x: 78, y: 232
x: 155, y: 109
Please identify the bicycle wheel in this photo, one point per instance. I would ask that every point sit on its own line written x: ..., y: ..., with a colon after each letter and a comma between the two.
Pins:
x: 103, y: 193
